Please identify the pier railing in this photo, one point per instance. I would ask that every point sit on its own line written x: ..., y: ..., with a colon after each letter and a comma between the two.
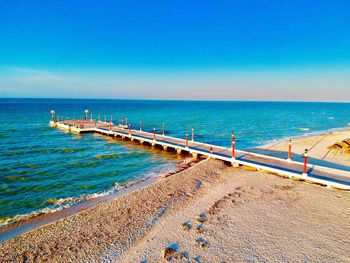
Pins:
x: 285, y: 167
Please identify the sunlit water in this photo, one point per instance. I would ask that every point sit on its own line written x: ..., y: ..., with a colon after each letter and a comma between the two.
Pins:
x: 43, y: 168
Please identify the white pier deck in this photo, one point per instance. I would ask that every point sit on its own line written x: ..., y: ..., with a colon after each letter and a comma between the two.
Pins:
x: 317, y: 174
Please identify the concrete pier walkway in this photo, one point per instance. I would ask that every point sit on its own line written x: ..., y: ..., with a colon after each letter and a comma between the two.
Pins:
x: 317, y: 174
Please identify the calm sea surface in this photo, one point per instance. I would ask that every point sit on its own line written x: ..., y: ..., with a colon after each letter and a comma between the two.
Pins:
x: 43, y: 168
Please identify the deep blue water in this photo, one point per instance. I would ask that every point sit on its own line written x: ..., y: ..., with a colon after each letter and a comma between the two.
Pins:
x: 40, y: 167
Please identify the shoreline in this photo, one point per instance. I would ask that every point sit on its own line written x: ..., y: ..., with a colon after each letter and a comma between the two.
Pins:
x: 21, y: 226
x: 273, y: 142
x: 136, y: 222
x: 247, y: 215
x: 18, y: 227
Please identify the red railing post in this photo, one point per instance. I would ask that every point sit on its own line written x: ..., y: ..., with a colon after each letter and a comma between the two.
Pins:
x: 186, y: 139
x: 289, y: 151
x: 154, y: 133
x: 305, y: 161
x: 233, y: 141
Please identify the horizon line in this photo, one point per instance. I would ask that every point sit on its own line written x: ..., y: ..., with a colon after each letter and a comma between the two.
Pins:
x: 189, y: 100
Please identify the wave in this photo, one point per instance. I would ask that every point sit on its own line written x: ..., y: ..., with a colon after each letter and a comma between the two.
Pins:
x: 16, y: 179
x: 55, y: 205
x: 108, y: 156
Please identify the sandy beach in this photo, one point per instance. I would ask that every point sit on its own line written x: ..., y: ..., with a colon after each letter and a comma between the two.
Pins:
x: 317, y: 147
x: 209, y: 212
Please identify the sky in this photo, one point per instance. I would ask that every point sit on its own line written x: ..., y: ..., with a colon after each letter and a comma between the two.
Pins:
x: 202, y: 50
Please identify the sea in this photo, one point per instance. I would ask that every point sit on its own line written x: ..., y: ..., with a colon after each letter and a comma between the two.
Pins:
x: 43, y: 169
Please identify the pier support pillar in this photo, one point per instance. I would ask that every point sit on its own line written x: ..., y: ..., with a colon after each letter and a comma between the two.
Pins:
x: 234, y: 164
x: 141, y: 142
x: 132, y: 139
x: 178, y: 151
x: 153, y: 144
x: 165, y: 147
x: 195, y: 155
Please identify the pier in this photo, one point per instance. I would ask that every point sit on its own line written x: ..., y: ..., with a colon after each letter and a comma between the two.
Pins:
x: 326, y: 176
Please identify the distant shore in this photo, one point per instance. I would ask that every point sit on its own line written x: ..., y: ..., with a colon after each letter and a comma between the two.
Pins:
x: 317, y: 145
x: 247, y: 215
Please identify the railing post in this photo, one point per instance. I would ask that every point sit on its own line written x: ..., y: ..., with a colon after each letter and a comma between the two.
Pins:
x: 186, y: 139
x: 289, y: 151
x: 154, y: 133
x: 192, y: 134
x: 140, y: 125
x: 123, y: 123
x: 105, y: 118
x: 129, y: 129
x: 110, y: 125
x: 163, y: 130
x: 111, y: 118
x: 95, y: 122
x: 306, y: 156
x: 91, y: 116
x: 126, y: 121
x: 233, y: 141
x: 99, y: 118
x: 53, y: 115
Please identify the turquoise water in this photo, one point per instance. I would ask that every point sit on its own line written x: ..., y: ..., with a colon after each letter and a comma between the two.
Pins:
x: 43, y: 168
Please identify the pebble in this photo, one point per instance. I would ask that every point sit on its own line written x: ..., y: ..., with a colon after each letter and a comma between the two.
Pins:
x: 187, y: 225
x: 200, y: 228
x: 202, y: 242
x: 201, y: 217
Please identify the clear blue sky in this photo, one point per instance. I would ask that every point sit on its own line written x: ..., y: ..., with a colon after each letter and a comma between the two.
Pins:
x: 255, y: 50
